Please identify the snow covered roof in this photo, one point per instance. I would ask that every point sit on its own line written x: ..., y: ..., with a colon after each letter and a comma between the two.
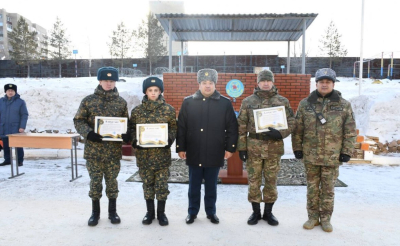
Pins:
x: 235, y: 27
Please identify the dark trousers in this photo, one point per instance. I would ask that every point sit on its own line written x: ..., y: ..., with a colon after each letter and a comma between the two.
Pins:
x: 196, y: 176
x: 6, y: 149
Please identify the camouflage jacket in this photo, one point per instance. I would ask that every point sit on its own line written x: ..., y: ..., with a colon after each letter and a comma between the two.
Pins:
x: 153, y: 112
x: 100, y: 103
x: 262, y: 99
x: 322, y: 143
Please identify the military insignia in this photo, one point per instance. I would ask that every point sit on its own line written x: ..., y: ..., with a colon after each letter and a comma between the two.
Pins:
x: 326, y: 72
x: 9, y: 85
x: 336, y: 108
x: 153, y: 81
x: 109, y: 74
x: 206, y: 74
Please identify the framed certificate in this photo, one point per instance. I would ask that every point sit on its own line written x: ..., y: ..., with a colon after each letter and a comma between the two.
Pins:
x: 111, y: 128
x: 152, y: 135
x: 274, y: 117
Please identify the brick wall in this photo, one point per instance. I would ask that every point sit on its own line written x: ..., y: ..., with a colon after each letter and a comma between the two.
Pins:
x: 177, y: 86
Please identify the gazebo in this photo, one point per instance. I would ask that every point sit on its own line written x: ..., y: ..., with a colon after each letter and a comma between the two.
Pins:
x: 236, y: 27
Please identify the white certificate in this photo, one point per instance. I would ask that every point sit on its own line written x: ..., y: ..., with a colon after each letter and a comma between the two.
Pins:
x: 152, y: 135
x: 111, y: 128
x: 274, y: 117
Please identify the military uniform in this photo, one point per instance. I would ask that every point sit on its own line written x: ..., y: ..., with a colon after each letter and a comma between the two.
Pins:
x: 263, y: 155
x: 321, y: 145
x: 154, y: 163
x: 102, y: 159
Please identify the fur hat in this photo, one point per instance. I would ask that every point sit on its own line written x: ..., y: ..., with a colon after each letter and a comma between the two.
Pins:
x: 325, y: 73
x: 265, y: 75
x: 207, y: 74
x: 10, y: 86
x: 153, y: 81
x: 107, y: 73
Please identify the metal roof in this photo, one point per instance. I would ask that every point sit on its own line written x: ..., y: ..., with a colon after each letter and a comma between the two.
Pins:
x: 235, y: 27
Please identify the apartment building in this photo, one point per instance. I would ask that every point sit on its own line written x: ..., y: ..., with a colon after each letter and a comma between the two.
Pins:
x: 10, y: 20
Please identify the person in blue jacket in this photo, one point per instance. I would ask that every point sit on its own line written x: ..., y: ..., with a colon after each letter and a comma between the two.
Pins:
x: 13, y: 118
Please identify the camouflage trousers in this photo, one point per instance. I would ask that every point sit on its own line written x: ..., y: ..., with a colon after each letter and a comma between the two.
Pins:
x: 155, y: 183
x: 320, y: 191
x: 256, y: 169
x: 110, y: 170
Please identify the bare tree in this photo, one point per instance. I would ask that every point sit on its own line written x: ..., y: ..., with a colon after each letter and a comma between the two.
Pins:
x: 151, y: 39
x: 121, y: 43
x: 60, y: 44
x: 331, y: 44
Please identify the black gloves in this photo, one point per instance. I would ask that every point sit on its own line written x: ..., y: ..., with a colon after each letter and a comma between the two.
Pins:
x: 135, y: 145
x: 344, y: 158
x: 243, y: 155
x: 126, y: 137
x: 273, y: 134
x: 170, y: 142
x: 298, y: 154
x: 94, y: 137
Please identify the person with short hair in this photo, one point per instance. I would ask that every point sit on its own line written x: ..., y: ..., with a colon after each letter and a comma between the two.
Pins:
x: 207, y: 134
x: 154, y: 162
x: 262, y: 151
x: 324, y: 136
x: 13, y: 119
x: 102, y: 157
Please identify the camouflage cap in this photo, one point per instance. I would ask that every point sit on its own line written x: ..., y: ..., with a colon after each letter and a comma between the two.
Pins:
x: 265, y: 75
x: 107, y: 73
x: 207, y: 74
x: 325, y: 73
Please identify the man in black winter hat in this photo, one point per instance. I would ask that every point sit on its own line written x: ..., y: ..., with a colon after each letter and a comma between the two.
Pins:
x: 13, y: 119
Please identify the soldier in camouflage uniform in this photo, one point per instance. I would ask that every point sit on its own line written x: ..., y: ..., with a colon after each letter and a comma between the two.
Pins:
x: 154, y: 163
x: 324, y: 134
x: 262, y: 151
x: 102, y: 157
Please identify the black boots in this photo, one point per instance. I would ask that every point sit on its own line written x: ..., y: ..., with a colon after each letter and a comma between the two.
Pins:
x: 150, y: 215
x: 268, y: 216
x: 162, y: 218
x: 112, y: 211
x: 94, y: 219
x: 256, y: 215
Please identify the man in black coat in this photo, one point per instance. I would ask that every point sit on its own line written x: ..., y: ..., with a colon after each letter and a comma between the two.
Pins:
x: 207, y: 134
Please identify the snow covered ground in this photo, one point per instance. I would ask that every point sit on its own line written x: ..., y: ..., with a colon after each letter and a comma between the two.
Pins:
x: 42, y: 207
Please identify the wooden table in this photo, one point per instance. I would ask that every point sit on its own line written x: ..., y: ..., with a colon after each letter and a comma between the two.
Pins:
x: 47, y: 141
x: 234, y: 173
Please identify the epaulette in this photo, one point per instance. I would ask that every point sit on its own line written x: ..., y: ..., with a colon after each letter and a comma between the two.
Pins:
x: 191, y: 96
x: 227, y: 98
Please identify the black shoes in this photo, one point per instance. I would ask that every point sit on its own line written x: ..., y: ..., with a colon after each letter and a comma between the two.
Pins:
x: 256, y: 215
x: 268, y: 216
x: 190, y: 218
x: 213, y: 218
x: 162, y: 218
x: 112, y: 211
x: 94, y: 218
x: 5, y: 163
x: 20, y: 164
x: 150, y: 215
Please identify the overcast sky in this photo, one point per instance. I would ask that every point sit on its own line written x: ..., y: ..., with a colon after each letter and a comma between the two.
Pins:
x: 90, y: 23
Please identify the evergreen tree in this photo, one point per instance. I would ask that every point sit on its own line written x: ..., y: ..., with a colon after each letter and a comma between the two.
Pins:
x: 24, y: 44
x: 121, y: 43
x: 59, y: 43
x: 151, y: 39
x: 331, y: 44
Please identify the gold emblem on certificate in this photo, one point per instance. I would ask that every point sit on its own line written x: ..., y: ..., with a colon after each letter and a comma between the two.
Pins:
x: 152, y: 135
x: 111, y: 128
x: 274, y: 117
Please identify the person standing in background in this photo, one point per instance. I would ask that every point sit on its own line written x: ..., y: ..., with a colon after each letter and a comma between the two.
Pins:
x: 13, y: 119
